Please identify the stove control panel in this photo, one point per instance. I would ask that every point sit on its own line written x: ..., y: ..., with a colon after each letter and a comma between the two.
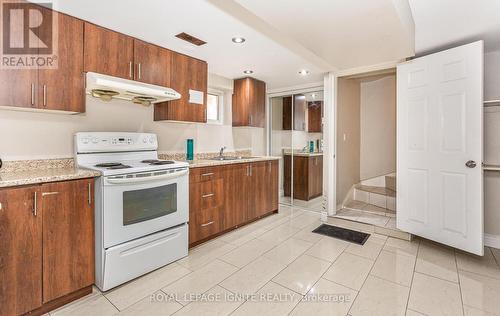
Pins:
x: 94, y: 142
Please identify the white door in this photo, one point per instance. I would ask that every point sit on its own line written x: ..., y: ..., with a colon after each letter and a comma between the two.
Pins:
x: 440, y: 147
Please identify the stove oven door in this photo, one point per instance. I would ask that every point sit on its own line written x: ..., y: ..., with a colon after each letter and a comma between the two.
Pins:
x: 136, y: 205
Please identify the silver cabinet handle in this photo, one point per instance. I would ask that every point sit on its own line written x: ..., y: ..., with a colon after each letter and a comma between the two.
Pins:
x: 32, y: 94
x: 89, y: 199
x: 207, y: 195
x: 207, y: 224
x: 250, y: 168
x: 49, y: 193
x: 44, y: 95
x: 131, y: 69
x: 139, y: 70
x: 35, y: 206
x: 0, y: 206
x: 207, y: 174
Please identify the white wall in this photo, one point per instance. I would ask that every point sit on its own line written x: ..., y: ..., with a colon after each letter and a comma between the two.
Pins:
x: 28, y: 135
x: 348, y: 136
x: 378, y: 126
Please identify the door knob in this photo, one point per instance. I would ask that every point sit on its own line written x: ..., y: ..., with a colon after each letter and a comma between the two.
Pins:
x: 471, y: 164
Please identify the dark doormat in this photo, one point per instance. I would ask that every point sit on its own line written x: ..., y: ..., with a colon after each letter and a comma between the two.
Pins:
x: 342, y: 233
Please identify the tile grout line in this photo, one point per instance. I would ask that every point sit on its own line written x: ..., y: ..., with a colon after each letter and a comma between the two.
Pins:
x: 364, y: 282
x: 412, y: 277
x: 459, y: 283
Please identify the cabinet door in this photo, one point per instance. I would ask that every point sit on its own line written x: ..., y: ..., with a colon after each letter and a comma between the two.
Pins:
x: 300, y: 178
x: 258, y: 187
x: 63, y: 88
x: 272, y: 186
x: 187, y: 74
x: 241, y: 111
x: 18, y: 86
x: 68, y: 237
x: 257, y: 103
x: 287, y: 113
x: 235, y: 195
x: 108, y: 52
x: 314, y: 110
x: 20, y: 250
x: 152, y: 63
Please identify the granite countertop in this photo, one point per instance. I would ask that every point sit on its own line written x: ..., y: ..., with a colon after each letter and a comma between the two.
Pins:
x: 39, y: 171
x: 209, y: 163
x: 17, y: 178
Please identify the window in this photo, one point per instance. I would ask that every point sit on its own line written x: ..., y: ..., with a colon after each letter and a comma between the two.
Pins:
x: 215, y: 103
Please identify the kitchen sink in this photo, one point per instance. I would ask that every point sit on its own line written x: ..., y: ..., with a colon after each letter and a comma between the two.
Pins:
x: 223, y: 158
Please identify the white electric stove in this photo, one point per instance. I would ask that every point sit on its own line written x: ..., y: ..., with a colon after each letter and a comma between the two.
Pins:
x: 142, y: 204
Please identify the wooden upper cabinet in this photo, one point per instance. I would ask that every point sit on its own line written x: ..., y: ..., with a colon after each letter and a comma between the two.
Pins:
x: 18, y: 86
x: 297, y: 118
x: 108, y: 52
x: 187, y: 73
x: 314, y: 116
x: 249, y: 102
x: 20, y: 250
x: 68, y: 237
x: 152, y: 64
x: 63, y: 88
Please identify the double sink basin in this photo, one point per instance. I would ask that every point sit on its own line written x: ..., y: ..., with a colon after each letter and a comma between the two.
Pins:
x: 224, y: 158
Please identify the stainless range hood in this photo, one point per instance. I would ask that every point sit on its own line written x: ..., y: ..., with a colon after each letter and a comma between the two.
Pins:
x: 107, y: 88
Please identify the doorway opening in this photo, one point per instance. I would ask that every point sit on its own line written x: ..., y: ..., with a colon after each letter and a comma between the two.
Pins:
x: 366, y: 148
x: 296, y: 136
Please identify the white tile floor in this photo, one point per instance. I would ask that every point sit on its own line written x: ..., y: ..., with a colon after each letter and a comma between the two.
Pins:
x: 276, y: 266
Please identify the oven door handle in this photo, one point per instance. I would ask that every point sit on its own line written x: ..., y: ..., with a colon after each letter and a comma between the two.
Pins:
x: 172, y: 175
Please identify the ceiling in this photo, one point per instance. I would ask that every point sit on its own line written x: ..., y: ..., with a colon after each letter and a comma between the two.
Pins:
x: 447, y: 23
x: 157, y: 21
x: 344, y: 33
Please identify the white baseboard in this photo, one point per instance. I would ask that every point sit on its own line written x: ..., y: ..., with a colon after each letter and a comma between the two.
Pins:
x: 492, y: 241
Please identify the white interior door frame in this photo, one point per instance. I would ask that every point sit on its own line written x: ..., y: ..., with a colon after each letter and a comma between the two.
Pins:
x: 330, y: 143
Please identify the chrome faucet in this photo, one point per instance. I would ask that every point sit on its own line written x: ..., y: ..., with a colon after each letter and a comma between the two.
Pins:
x: 221, y: 151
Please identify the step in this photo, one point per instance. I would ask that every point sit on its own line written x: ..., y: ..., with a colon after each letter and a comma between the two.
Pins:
x: 369, y: 208
x: 390, y: 182
x: 378, y: 196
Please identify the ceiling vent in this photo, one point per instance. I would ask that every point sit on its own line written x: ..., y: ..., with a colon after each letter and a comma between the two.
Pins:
x: 190, y: 38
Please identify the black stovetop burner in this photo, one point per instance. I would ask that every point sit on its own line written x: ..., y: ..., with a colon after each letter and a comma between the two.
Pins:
x: 121, y: 166
x: 112, y: 165
x: 156, y: 162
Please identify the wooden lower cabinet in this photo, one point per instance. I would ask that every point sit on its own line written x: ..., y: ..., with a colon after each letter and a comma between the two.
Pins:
x: 236, y: 191
x: 225, y: 197
x: 20, y: 250
x: 46, y: 245
x: 307, y: 176
x: 68, y: 237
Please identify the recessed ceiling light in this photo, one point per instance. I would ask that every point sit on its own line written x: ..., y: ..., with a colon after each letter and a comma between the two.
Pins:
x: 238, y: 40
x: 313, y: 95
x: 247, y: 72
x: 304, y: 72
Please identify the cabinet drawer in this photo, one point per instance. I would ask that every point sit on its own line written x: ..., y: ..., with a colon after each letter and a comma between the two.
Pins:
x: 206, y: 194
x: 204, y: 223
x: 205, y: 174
